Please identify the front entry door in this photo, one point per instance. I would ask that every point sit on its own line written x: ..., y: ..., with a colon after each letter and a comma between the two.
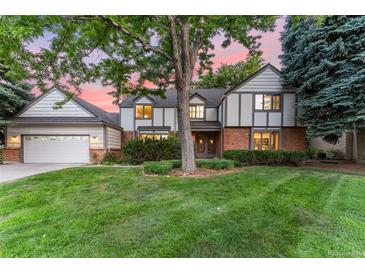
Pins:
x: 206, y: 145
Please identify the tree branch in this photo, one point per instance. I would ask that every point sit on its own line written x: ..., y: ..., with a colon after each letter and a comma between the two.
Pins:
x: 175, y: 48
x: 197, y: 43
x: 146, y: 45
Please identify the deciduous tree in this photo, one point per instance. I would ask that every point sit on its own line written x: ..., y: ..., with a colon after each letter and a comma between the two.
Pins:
x: 127, y: 51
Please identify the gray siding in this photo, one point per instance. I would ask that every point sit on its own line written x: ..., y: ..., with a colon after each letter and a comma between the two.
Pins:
x: 232, y: 109
x: 170, y: 118
x: 114, y: 138
x: 246, y: 110
x: 274, y: 119
x: 127, y: 119
x: 289, y: 110
x: 143, y: 123
x: 45, y: 107
x: 157, y: 116
x: 260, y: 119
x: 266, y: 81
x: 211, y: 114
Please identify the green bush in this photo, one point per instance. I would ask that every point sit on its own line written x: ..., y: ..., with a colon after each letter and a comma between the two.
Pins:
x: 175, y: 163
x: 157, y: 167
x: 138, y: 151
x: 110, y: 158
x: 266, y: 157
x: 1, y: 156
x: 215, y: 163
x: 312, y: 152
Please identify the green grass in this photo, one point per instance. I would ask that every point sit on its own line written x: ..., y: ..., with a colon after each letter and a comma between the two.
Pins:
x: 114, y: 212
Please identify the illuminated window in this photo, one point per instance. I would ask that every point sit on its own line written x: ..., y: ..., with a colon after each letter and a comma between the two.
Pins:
x: 197, y: 112
x: 143, y: 112
x: 266, y: 140
x: 267, y: 102
x: 144, y: 136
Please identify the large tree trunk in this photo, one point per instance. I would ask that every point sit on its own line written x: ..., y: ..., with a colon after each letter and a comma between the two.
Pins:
x: 355, y: 154
x: 184, y: 60
x: 186, y: 139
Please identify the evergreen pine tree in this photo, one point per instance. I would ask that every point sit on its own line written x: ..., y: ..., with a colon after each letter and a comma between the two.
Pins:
x: 325, y: 62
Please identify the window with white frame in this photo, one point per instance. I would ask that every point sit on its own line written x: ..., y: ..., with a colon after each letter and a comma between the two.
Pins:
x: 197, y: 111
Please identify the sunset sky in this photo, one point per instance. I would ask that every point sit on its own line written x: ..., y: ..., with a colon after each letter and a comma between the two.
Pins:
x: 270, y: 45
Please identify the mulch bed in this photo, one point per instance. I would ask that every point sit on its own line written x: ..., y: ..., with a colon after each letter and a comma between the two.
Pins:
x: 200, y: 172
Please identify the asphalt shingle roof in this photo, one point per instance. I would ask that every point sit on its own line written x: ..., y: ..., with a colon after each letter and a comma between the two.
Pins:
x: 212, y: 97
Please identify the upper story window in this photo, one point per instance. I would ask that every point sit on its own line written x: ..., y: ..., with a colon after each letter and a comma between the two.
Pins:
x: 197, y: 111
x: 267, y: 102
x: 143, y: 112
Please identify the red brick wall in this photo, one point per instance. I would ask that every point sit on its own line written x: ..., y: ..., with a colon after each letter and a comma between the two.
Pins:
x: 236, y: 138
x: 99, y: 154
x: 96, y: 155
x: 126, y: 136
x: 293, y: 138
x: 11, y: 155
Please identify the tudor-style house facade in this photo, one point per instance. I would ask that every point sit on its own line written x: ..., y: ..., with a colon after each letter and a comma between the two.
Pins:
x: 259, y: 114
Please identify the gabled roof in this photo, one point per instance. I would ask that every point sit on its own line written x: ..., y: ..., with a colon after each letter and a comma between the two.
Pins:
x: 268, y: 65
x: 212, y: 98
x: 99, y: 114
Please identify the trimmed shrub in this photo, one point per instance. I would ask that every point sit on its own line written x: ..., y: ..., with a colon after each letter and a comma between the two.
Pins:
x: 138, y: 151
x: 157, y: 167
x: 175, y: 163
x: 266, y: 157
x: 1, y: 156
x: 215, y: 163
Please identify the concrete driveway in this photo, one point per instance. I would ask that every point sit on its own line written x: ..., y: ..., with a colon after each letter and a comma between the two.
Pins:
x: 10, y: 172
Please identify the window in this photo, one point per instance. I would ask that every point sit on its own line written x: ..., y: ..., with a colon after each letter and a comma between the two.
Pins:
x: 267, y: 102
x: 266, y: 140
x: 144, y: 136
x: 197, y: 112
x: 143, y: 112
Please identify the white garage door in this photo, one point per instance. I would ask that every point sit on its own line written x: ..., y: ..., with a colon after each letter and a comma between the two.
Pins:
x: 56, y: 149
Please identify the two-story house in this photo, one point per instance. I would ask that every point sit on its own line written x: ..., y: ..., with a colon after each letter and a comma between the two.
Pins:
x: 258, y: 114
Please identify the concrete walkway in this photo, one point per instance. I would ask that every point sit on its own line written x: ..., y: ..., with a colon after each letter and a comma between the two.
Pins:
x: 10, y: 172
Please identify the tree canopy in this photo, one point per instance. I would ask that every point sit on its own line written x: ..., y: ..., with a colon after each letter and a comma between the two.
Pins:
x: 230, y: 75
x: 325, y: 61
x: 126, y: 52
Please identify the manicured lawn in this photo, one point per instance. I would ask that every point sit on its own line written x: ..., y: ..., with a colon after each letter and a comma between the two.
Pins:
x: 113, y: 212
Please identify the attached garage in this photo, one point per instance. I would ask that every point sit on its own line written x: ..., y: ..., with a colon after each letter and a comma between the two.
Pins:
x: 79, y: 132
x: 55, y: 149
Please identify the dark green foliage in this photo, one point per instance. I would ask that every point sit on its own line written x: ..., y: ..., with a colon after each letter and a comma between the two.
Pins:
x: 175, y: 163
x: 138, y: 151
x: 266, y: 157
x: 164, y: 167
x: 215, y: 163
x: 13, y: 96
x: 325, y: 62
x: 230, y: 75
x: 157, y: 167
x: 1, y: 155
x: 110, y: 158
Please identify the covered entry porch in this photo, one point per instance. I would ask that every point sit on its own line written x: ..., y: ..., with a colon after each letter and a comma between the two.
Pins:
x: 207, y: 139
